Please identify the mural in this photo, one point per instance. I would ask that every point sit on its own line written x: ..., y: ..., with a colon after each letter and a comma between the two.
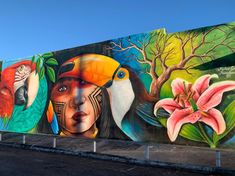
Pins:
x: 0, y: 70
x: 155, y: 87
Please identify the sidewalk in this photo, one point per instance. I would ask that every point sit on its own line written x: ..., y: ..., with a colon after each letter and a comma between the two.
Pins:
x: 200, y: 159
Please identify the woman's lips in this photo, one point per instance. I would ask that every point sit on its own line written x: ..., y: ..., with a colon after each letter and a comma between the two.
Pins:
x: 79, y: 116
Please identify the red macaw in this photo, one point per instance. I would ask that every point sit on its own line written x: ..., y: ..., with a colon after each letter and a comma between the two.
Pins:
x: 13, y: 79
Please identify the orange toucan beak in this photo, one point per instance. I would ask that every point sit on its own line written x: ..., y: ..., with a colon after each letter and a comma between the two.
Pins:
x: 93, y: 68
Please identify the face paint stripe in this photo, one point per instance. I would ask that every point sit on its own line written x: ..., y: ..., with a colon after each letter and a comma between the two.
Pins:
x: 94, y: 105
x: 97, y: 98
x: 60, y: 112
x: 94, y: 101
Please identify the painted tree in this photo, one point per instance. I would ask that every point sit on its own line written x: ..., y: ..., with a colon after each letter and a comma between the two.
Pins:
x: 165, y: 53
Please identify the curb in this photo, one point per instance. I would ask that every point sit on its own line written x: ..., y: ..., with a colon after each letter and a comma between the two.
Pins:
x: 122, y: 159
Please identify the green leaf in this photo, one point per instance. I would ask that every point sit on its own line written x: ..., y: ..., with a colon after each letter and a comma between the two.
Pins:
x: 33, y: 59
x: 162, y: 120
x: 5, y: 120
x: 51, y: 73
x: 47, y: 55
x: 52, y: 61
x: 191, y: 132
x: 42, y: 73
x: 188, y: 131
x: 38, y: 64
x: 229, y: 114
x: 225, y: 61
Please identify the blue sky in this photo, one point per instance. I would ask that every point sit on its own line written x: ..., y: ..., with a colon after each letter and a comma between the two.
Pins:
x: 29, y: 27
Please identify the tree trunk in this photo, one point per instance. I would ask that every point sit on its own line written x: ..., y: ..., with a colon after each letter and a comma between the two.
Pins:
x: 157, y: 83
x: 154, y: 89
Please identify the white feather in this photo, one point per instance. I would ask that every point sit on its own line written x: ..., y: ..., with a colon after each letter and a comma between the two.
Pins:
x: 121, y: 98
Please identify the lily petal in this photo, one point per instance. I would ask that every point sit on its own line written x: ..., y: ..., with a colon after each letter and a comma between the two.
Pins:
x: 178, y: 86
x: 213, y: 95
x: 215, y: 119
x: 178, y: 118
x: 201, y: 84
x: 168, y: 104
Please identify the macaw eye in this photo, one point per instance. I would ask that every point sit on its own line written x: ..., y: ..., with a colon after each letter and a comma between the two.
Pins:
x: 20, y: 68
x: 62, y: 88
x: 121, y: 74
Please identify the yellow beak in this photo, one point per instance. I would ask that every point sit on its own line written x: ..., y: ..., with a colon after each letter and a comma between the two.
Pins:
x: 93, y: 68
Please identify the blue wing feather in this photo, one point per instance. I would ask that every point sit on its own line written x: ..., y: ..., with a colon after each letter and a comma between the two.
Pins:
x: 54, y: 124
x: 145, y: 111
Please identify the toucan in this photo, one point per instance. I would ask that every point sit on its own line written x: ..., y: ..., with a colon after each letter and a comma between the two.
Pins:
x: 19, y: 86
x: 131, y: 113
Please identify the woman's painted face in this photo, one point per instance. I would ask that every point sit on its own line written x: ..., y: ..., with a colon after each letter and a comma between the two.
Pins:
x: 77, y: 104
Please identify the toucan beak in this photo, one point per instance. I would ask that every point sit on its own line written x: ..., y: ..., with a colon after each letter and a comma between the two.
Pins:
x: 93, y: 68
x: 105, y: 72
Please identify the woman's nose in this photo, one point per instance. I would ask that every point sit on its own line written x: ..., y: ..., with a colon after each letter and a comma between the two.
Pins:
x: 77, y: 101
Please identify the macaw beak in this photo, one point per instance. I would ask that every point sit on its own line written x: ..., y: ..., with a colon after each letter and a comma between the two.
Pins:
x: 12, y: 92
x: 33, y: 86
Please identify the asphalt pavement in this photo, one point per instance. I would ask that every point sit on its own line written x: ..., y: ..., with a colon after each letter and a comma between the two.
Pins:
x: 20, y: 162
x: 164, y: 156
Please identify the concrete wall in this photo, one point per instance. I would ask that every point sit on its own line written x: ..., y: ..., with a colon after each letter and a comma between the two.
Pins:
x: 156, y: 87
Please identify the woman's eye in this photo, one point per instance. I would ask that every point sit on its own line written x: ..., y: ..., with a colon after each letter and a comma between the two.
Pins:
x: 62, y: 89
x: 82, y: 82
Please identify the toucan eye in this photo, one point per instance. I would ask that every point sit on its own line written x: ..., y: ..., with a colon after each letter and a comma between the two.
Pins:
x: 121, y: 74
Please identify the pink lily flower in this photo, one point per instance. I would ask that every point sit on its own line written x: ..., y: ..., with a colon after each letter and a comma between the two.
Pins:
x: 193, y: 103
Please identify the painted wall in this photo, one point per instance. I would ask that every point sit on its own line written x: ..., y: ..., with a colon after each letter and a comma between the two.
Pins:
x: 0, y: 70
x: 164, y: 88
